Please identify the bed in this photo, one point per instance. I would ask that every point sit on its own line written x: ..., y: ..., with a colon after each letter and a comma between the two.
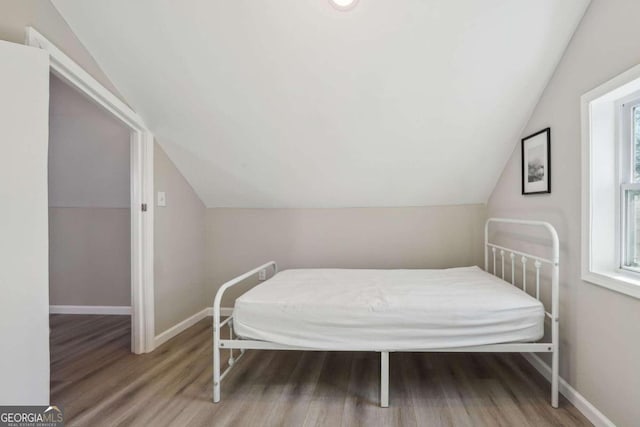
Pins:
x: 454, y: 310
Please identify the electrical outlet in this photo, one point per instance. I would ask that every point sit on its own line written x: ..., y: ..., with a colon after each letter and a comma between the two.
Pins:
x: 262, y: 275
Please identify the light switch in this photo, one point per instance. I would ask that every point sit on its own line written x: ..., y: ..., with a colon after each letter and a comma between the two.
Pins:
x: 162, y: 198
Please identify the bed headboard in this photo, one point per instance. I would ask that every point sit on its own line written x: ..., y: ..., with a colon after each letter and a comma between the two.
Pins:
x: 496, y: 254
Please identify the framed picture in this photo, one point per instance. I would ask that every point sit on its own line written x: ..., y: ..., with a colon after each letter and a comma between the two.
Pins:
x: 536, y: 163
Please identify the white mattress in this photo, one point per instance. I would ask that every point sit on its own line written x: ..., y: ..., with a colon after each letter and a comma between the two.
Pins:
x: 388, y: 309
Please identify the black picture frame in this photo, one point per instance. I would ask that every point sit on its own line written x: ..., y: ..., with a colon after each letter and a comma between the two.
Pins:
x: 536, y: 163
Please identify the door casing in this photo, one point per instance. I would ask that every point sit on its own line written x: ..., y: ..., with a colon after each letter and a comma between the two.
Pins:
x: 142, y: 206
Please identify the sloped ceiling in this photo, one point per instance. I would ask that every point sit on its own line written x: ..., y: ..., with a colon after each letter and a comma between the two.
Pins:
x: 291, y: 103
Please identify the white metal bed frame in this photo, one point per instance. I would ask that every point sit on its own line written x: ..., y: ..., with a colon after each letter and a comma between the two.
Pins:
x: 232, y: 344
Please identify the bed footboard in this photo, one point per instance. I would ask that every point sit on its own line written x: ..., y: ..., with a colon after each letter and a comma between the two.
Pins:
x: 218, y: 324
x: 538, y: 262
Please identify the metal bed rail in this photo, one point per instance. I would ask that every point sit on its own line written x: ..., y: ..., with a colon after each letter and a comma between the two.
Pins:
x: 218, y: 324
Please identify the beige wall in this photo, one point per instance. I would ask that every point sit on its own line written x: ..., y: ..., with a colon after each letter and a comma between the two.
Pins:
x: 421, y: 237
x: 179, y: 247
x: 600, y: 349
x: 89, y: 215
x: 89, y: 256
x: 89, y: 152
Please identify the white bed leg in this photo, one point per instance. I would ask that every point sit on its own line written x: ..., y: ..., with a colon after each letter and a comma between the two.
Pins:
x: 384, y: 379
x: 555, y: 327
x: 216, y: 359
x: 555, y: 375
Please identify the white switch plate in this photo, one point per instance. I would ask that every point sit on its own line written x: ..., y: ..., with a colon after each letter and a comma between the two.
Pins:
x: 262, y: 275
x: 162, y: 198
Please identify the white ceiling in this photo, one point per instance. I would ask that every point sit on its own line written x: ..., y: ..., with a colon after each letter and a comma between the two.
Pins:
x: 291, y: 103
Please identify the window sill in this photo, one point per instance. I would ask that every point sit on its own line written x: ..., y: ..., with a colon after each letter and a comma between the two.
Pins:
x: 618, y: 281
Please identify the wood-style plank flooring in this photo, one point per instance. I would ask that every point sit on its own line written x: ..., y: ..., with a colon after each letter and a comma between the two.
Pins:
x: 99, y: 382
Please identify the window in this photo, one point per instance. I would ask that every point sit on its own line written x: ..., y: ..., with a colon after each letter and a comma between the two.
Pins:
x: 630, y: 184
x: 611, y: 184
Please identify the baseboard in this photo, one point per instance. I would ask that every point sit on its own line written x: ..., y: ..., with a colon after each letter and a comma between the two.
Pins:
x: 583, y: 405
x: 90, y: 309
x: 176, y: 329
x: 187, y: 323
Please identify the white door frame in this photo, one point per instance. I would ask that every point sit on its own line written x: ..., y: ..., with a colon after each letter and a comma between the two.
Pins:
x: 142, y: 302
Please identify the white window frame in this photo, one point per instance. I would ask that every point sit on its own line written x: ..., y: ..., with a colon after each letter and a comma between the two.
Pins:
x: 604, y: 163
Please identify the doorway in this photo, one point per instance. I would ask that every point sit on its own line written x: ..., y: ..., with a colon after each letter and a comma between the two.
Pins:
x: 140, y: 190
x: 89, y: 220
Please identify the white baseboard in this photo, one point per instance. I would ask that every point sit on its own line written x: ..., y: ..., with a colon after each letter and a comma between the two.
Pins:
x: 90, y: 309
x: 583, y: 405
x: 187, y: 323
x: 176, y: 329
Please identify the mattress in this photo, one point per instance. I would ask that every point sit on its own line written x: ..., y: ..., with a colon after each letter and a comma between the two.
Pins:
x: 343, y: 309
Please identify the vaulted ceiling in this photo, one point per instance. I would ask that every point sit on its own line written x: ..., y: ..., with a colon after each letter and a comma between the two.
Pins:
x: 292, y: 103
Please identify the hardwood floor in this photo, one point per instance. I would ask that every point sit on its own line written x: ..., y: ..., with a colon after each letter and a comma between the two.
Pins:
x: 98, y: 382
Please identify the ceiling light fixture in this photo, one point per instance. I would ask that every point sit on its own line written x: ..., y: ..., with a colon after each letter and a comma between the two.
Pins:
x: 343, y: 5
